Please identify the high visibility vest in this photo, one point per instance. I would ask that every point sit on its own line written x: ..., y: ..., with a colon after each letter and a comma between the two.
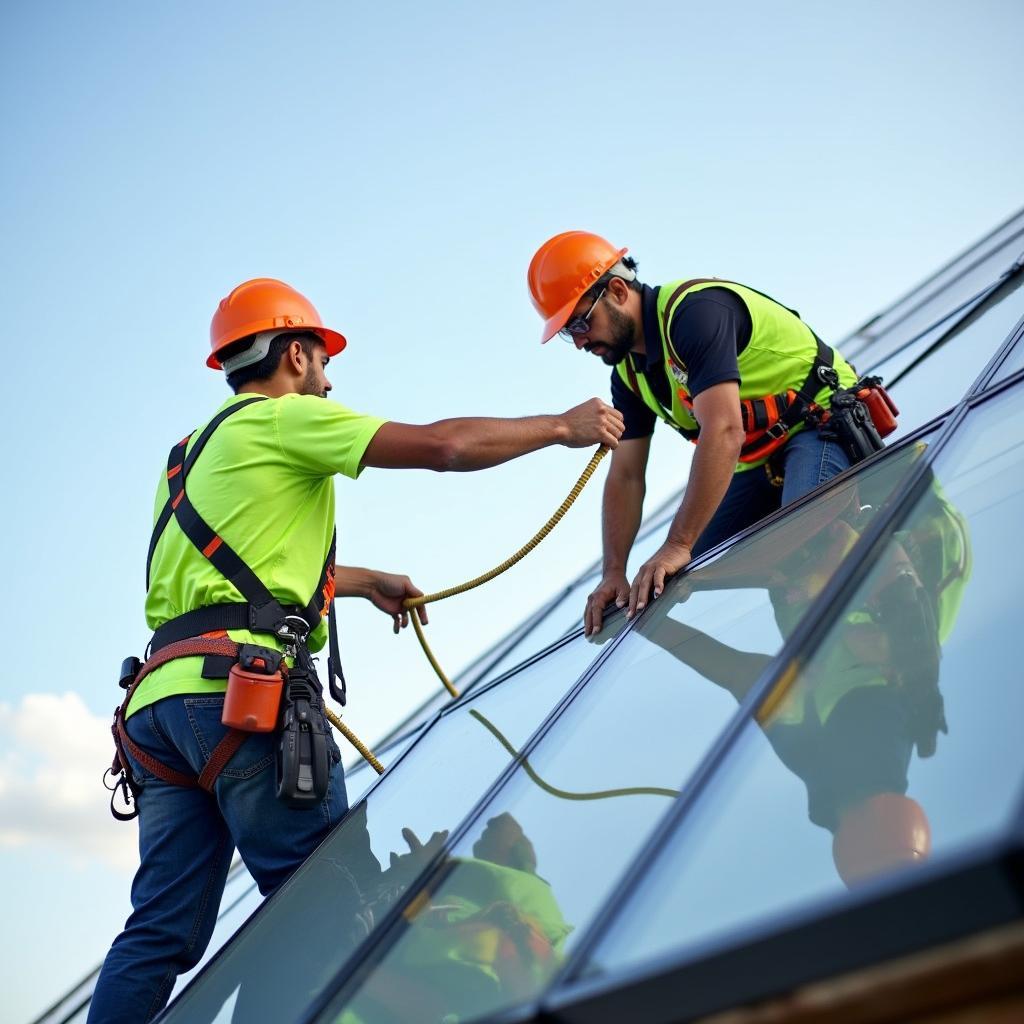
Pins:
x: 773, y: 367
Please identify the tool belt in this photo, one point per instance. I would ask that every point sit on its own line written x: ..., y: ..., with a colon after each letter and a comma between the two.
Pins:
x: 858, y: 418
x: 291, y: 700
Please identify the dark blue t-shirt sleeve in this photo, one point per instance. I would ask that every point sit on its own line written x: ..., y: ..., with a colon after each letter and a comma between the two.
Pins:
x: 708, y: 331
x: 639, y: 419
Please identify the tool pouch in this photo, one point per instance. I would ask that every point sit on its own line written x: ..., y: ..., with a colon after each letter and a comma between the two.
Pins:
x: 881, y: 408
x: 303, y: 759
x: 849, y: 423
x: 253, y: 697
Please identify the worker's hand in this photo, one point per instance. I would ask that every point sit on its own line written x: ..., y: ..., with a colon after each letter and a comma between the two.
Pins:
x: 665, y: 562
x: 388, y: 590
x: 593, y: 422
x: 404, y: 867
x: 614, y: 587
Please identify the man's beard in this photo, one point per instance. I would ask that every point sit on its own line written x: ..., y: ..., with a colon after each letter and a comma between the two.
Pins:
x: 310, y: 386
x: 621, y: 340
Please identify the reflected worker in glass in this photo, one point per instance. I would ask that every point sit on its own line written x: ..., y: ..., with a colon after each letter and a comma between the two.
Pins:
x: 488, y: 932
x: 708, y: 357
x: 849, y: 723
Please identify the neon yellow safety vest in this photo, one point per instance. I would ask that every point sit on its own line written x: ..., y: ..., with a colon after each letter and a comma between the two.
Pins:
x: 773, y: 367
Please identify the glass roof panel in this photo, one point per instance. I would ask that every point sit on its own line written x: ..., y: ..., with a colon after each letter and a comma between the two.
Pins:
x: 953, y: 285
x: 1014, y: 362
x: 493, y: 925
x: 849, y: 775
x: 942, y: 377
x: 329, y: 906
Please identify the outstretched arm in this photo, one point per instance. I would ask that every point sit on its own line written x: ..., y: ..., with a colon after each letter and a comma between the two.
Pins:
x: 472, y: 443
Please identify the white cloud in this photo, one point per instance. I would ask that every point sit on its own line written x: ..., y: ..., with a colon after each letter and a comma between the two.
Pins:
x: 53, y: 752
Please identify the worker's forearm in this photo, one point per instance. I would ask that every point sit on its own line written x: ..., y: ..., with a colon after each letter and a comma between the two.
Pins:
x: 621, y: 515
x: 734, y: 670
x: 714, y: 463
x: 352, y: 581
x: 481, y: 442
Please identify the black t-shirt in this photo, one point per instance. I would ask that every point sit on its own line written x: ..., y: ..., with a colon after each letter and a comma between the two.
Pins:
x: 709, y: 330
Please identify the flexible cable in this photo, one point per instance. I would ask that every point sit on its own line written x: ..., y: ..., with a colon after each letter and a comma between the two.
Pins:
x: 412, y: 603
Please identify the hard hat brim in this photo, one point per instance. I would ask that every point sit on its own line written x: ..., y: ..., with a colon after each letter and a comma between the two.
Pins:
x: 333, y: 342
x: 555, y: 323
x: 558, y: 320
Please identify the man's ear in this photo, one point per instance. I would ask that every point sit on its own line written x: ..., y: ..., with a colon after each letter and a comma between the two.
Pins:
x: 296, y: 356
x: 618, y: 288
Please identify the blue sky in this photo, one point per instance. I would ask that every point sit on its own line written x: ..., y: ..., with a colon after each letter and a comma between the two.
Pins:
x: 399, y: 163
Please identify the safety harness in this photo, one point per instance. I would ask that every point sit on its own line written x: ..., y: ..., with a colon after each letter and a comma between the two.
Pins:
x: 768, y: 420
x: 203, y: 632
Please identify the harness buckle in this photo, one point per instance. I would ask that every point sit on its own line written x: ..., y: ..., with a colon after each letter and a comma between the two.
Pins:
x: 828, y: 375
x: 777, y: 430
x: 293, y: 630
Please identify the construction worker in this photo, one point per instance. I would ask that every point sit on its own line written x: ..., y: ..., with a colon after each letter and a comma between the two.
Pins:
x: 706, y: 356
x: 233, y: 563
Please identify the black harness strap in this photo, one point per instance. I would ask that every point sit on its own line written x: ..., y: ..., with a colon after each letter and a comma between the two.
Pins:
x: 167, y: 511
x: 261, y: 611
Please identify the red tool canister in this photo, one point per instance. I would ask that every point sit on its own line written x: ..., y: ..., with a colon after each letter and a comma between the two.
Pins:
x: 253, y: 699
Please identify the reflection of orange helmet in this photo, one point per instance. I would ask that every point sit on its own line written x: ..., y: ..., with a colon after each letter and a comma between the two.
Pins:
x: 880, y: 834
x: 264, y: 304
x: 562, y: 269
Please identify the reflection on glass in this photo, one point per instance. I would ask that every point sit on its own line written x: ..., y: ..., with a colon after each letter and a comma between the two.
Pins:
x: 488, y: 931
x: 294, y: 947
x: 889, y: 747
x: 484, y: 936
x: 943, y: 377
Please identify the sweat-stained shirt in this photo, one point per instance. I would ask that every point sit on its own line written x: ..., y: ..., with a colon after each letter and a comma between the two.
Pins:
x: 265, y: 483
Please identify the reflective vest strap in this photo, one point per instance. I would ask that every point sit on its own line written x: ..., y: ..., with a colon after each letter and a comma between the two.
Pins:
x: 666, y: 316
x: 633, y: 383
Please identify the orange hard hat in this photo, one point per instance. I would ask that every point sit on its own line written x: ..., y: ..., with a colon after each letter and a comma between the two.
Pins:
x: 264, y: 304
x: 880, y: 834
x: 562, y: 269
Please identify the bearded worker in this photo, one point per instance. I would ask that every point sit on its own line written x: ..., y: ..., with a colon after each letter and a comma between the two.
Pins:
x: 711, y: 358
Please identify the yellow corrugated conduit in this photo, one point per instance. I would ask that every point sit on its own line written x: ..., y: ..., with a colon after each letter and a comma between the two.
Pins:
x: 413, y: 603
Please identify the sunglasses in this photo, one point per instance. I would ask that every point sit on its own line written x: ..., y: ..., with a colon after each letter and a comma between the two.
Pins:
x: 579, y: 325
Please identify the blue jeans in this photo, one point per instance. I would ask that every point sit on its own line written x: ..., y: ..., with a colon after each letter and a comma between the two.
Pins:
x: 186, y: 841
x: 807, y: 460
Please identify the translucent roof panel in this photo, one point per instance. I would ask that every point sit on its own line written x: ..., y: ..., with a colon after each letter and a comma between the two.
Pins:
x: 956, y: 283
x: 887, y: 754
x: 925, y: 384
x: 1013, y: 363
x: 525, y: 878
x: 567, y: 615
x: 306, y: 931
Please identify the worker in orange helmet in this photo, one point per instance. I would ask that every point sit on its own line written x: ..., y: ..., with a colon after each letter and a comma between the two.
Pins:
x: 711, y: 358
x: 241, y: 579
